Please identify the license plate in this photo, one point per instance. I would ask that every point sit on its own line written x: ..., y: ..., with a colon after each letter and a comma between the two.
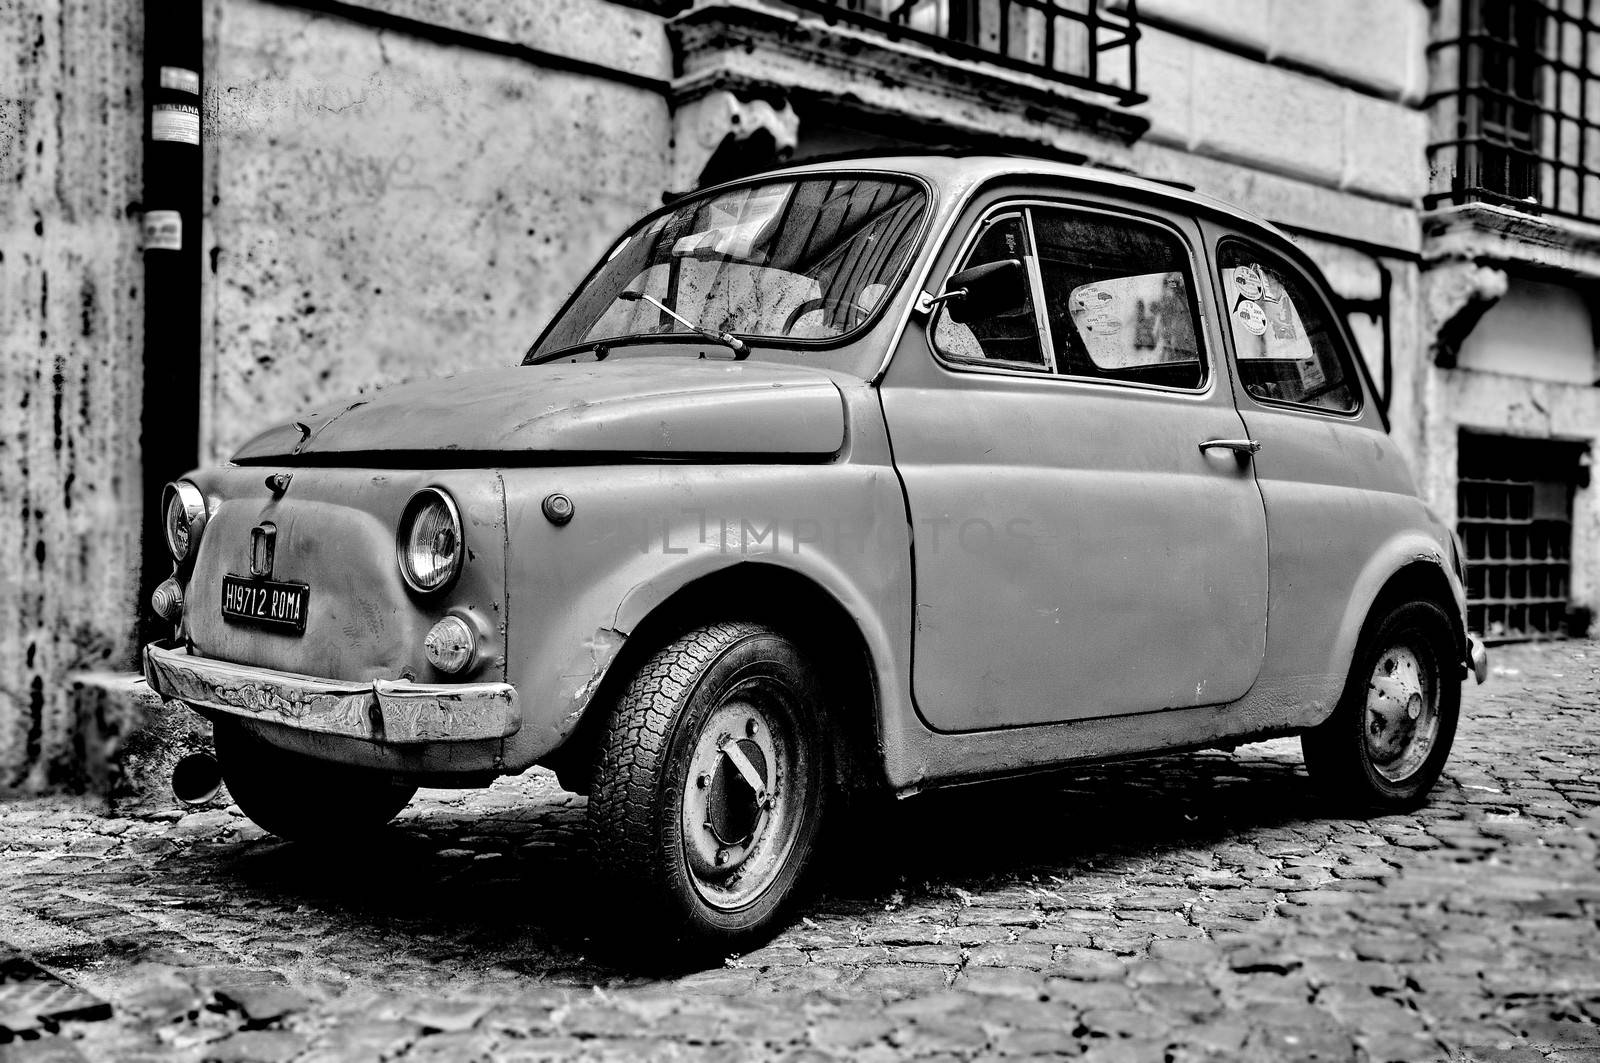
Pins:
x: 280, y: 606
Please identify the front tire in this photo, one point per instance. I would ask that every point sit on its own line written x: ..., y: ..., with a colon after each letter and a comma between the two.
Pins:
x: 1386, y: 743
x: 302, y: 799
x: 711, y: 785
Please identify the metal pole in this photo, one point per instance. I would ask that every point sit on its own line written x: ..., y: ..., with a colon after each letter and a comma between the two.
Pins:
x: 172, y: 261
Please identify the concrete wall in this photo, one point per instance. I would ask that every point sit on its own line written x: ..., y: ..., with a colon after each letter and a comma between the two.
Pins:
x: 391, y: 203
x: 71, y: 124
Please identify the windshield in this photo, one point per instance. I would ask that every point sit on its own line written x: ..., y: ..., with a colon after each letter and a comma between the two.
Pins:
x: 800, y: 259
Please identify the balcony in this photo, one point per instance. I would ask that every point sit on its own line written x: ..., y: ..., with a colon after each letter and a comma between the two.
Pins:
x: 1081, y: 43
x: 1046, y: 77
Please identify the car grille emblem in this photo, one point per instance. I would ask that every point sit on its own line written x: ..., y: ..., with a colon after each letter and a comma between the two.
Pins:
x: 263, y: 541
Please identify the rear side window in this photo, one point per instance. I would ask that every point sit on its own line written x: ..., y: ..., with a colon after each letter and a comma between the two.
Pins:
x: 1287, y: 350
x: 1118, y: 296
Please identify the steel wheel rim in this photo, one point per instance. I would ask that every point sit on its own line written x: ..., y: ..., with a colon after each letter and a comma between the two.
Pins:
x: 1401, y: 722
x: 742, y: 797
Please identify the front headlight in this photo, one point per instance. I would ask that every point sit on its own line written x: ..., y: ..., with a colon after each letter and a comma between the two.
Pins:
x: 184, y: 518
x: 430, y: 543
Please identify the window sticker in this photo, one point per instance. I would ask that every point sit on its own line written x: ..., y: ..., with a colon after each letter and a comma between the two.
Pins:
x: 1248, y: 282
x: 1091, y: 300
x: 1251, y: 316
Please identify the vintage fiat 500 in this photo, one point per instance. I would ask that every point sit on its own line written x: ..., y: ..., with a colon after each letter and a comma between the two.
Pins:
x: 882, y: 476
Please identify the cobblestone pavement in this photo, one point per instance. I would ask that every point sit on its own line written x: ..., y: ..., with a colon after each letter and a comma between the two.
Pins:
x: 1189, y: 908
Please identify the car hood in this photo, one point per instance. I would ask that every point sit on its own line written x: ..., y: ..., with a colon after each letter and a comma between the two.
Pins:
x: 647, y: 406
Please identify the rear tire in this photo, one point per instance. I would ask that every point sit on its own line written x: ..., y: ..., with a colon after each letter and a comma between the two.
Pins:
x: 710, y: 788
x: 302, y: 799
x: 1386, y: 743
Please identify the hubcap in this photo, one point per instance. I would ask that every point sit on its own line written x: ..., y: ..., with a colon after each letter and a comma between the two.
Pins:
x: 739, y: 799
x: 1402, y: 719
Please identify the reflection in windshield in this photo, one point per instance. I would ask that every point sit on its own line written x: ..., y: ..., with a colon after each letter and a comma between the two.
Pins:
x: 806, y: 259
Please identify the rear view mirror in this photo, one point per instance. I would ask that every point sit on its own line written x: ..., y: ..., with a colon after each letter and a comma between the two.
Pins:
x: 993, y: 289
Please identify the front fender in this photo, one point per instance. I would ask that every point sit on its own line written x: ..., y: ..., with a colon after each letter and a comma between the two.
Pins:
x: 641, y: 533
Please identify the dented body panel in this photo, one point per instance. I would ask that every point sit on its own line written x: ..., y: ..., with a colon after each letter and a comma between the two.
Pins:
x: 1173, y: 598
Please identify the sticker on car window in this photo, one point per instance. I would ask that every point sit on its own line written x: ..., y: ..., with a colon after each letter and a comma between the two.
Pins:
x: 1089, y: 299
x: 1251, y: 316
x: 1248, y: 281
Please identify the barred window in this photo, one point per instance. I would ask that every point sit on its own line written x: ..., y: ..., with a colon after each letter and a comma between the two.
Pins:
x: 1517, y: 108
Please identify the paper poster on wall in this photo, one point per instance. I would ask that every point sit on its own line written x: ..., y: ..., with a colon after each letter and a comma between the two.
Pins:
x: 163, y: 230
x: 176, y: 77
x: 178, y: 123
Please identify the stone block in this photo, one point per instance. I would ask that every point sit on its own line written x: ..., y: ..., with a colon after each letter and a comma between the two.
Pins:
x: 1377, y: 43
x: 1385, y: 148
x: 1166, y: 75
x: 620, y: 36
x: 1244, y: 22
x: 1269, y: 118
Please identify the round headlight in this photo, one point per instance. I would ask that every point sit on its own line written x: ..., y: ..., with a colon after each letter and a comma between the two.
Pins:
x: 184, y: 517
x: 431, y: 544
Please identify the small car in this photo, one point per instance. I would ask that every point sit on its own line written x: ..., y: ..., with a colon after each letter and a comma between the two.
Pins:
x: 856, y: 477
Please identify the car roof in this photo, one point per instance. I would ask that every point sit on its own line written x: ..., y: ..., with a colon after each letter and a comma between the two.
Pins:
x: 962, y: 172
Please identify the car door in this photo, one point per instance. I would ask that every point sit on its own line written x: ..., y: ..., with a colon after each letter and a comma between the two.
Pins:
x: 1086, y: 541
x: 1335, y: 485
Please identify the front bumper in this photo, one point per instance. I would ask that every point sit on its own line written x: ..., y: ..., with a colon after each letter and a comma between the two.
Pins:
x: 1478, y: 657
x: 382, y: 711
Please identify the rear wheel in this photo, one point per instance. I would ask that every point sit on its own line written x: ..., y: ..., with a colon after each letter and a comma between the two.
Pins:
x: 1385, y: 745
x: 711, y: 784
x: 299, y: 798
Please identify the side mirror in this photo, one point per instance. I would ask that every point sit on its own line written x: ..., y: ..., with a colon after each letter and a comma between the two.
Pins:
x: 990, y: 290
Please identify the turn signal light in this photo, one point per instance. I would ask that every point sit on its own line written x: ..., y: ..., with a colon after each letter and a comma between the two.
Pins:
x: 450, y: 645
x: 167, y: 600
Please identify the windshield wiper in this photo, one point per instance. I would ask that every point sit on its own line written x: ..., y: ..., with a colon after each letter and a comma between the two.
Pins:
x: 741, y: 350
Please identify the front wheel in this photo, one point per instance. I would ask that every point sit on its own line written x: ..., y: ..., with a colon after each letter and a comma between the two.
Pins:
x: 711, y: 784
x: 1385, y: 745
x: 299, y: 798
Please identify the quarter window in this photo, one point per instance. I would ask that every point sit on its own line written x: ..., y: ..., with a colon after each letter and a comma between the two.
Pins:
x: 1009, y: 339
x: 1286, y: 349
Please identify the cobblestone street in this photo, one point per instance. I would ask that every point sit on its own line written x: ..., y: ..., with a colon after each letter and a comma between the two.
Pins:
x: 1196, y: 907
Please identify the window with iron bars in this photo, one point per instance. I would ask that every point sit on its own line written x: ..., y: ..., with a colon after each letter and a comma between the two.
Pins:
x: 1088, y: 44
x: 1517, y: 105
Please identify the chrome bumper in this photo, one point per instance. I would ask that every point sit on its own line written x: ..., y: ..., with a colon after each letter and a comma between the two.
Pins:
x: 1478, y: 657
x: 379, y: 711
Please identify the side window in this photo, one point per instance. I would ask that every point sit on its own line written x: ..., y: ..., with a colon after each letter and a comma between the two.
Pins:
x: 1010, y: 338
x: 1119, y: 297
x: 1286, y: 349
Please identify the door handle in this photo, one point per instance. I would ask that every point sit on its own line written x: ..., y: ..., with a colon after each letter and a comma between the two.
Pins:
x: 1238, y: 446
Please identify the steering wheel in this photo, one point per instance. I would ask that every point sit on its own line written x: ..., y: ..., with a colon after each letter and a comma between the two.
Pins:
x: 827, y: 303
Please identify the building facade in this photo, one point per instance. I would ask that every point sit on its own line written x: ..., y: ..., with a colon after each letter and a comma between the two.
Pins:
x: 393, y: 189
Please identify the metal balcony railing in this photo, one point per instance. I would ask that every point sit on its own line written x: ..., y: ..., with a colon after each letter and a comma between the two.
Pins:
x: 1087, y: 44
x: 1519, y: 93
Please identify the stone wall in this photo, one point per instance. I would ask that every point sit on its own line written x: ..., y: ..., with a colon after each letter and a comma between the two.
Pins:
x: 394, y: 199
x: 71, y: 342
